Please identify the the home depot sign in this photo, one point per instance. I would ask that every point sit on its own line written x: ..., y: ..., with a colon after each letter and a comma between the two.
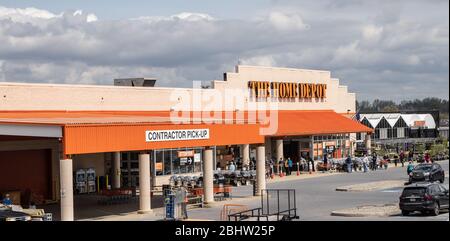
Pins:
x: 266, y: 89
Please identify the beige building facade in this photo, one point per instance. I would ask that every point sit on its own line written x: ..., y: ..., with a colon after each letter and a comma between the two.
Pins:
x: 232, y: 94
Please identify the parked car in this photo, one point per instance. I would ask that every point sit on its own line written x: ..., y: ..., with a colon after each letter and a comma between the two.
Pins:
x: 427, y: 172
x: 424, y: 197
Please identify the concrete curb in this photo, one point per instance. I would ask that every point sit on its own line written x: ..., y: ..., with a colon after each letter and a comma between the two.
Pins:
x: 371, y: 186
x: 385, y: 210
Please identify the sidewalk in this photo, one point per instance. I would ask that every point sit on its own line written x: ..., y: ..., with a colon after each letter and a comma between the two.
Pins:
x: 303, y: 175
x: 155, y: 215
x: 306, y: 175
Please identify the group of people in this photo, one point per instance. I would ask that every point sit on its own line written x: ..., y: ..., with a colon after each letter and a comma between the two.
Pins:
x: 287, y: 165
x: 370, y: 162
x: 237, y: 164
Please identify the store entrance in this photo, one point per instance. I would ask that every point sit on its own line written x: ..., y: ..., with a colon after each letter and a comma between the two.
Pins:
x: 291, y: 150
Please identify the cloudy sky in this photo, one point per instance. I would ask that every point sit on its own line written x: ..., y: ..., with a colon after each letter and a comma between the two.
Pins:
x: 381, y: 49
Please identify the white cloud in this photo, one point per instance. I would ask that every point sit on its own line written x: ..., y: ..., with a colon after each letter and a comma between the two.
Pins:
x: 193, y: 16
x: 283, y: 21
x: 24, y: 14
x: 184, y: 16
x: 373, y: 55
x: 36, y: 16
x: 91, y: 18
x: 268, y: 61
x: 372, y: 33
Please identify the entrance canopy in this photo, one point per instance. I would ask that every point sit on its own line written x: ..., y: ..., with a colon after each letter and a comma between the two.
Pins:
x: 92, y: 132
x: 109, y: 131
x: 302, y: 123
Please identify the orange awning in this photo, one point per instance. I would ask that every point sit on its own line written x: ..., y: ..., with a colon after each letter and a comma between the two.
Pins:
x: 106, y: 131
x: 298, y: 123
x: 110, y: 131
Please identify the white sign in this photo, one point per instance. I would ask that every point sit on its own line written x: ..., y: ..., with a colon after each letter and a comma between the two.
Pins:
x: 176, y: 135
x: 197, y: 157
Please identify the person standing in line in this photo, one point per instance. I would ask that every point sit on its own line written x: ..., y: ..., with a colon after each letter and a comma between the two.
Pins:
x: 253, y: 163
x: 325, y: 162
x: 311, y: 160
x: 239, y: 163
x: 290, y: 163
x: 374, y: 161
x: 271, y: 166
x: 277, y: 166
x: 286, y: 167
x: 395, y: 160
x: 402, y: 158
x: 281, y: 164
x: 232, y: 167
x: 365, y: 163
x: 184, y: 194
x: 348, y: 161
x: 386, y: 162
x: 410, y: 156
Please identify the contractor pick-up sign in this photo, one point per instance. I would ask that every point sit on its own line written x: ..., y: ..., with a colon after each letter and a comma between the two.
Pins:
x: 176, y: 135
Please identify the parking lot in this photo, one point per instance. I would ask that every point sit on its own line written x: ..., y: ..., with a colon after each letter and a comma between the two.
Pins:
x: 316, y: 197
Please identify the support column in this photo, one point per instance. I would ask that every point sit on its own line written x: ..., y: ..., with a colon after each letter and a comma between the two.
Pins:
x: 116, y: 170
x: 260, y: 169
x: 208, y: 176
x: 245, y: 155
x: 144, y: 184
x: 66, y: 178
x: 368, y: 142
x: 279, y: 148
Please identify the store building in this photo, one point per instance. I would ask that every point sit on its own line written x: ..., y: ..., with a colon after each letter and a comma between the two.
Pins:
x: 139, y: 136
x: 400, y: 129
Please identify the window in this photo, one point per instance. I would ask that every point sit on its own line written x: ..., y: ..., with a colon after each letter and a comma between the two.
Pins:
x: 416, y: 191
x: 159, y: 160
x: 383, y: 133
x: 401, y: 132
x: 376, y: 134
x: 363, y: 136
x: 390, y: 133
x: 198, y: 160
x: 167, y: 162
x: 134, y: 156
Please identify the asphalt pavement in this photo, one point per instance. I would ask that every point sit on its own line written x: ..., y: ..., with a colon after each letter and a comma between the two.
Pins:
x: 316, y: 198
